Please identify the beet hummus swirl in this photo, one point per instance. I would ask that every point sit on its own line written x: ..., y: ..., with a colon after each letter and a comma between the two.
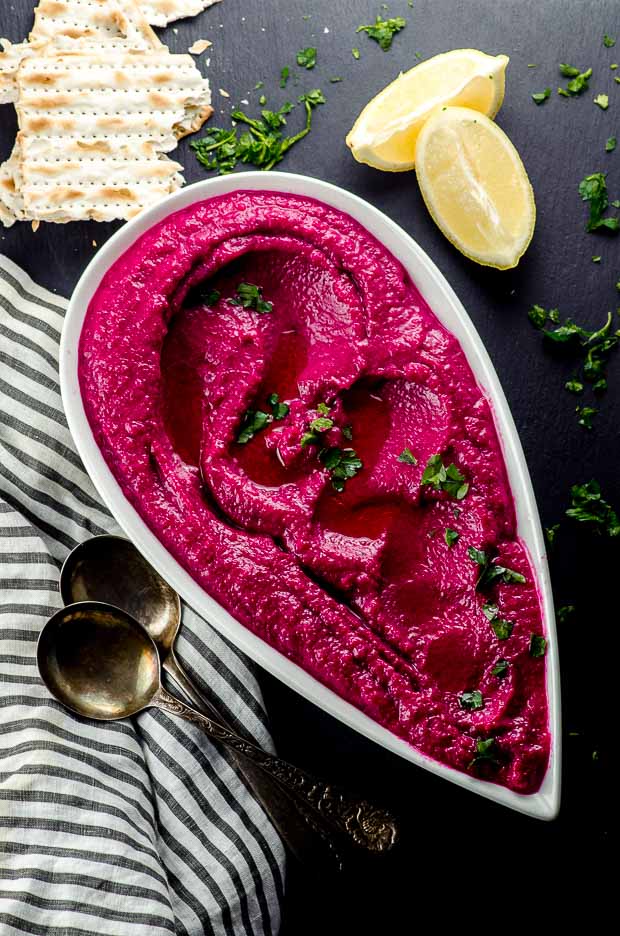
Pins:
x: 264, y: 303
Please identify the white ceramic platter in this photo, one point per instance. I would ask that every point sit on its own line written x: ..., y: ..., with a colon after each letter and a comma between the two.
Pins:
x: 545, y: 803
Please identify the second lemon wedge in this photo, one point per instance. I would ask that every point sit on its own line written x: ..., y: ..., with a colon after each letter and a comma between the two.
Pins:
x: 475, y: 186
x: 385, y: 133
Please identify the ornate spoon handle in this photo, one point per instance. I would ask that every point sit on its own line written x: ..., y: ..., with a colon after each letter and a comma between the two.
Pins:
x: 365, y: 825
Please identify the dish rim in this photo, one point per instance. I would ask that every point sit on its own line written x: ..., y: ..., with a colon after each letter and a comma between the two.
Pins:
x: 443, y: 301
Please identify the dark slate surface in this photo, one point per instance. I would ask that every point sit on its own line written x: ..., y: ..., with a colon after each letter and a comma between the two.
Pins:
x: 459, y: 855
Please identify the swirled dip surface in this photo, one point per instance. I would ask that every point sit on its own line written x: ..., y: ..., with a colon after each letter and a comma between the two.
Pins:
x: 358, y: 587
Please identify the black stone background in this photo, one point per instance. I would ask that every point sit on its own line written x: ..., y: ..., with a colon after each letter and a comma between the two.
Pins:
x: 462, y: 861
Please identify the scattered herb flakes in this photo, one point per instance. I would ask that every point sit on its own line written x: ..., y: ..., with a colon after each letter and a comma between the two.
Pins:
x: 486, y: 754
x: 568, y: 71
x: 355, y: 53
x: 262, y: 145
x: 451, y: 536
x: 551, y: 533
x: 447, y: 479
x: 597, y: 259
x: 589, y: 507
x: 610, y: 145
x: 490, y: 611
x: 347, y: 431
x: 600, y: 386
x: 502, y: 628
x: 284, y: 76
x: 253, y: 421
x: 574, y: 386
x: 471, y: 700
x: 617, y: 80
x: 500, y: 669
x: 531, y: 65
x: 251, y: 297
x: 578, y: 80
x: 542, y: 96
x: 306, y: 58
x: 335, y: 79
x: 564, y: 613
x: 490, y: 573
x: 407, y: 457
x: 608, y: 41
x: 212, y: 296
x: 279, y: 410
x: 602, y: 100
x: 593, y: 189
x: 538, y: 646
x: 259, y: 85
x: 342, y: 465
x: 383, y: 31
x: 585, y: 415
x: 537, y: 316
x: 262, y: 100
x: 614, y: 66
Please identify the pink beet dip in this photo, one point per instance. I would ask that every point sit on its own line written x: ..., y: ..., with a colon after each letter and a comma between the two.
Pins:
x: 363, y: 575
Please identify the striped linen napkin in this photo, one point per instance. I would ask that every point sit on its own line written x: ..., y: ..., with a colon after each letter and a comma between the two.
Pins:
x: 123, y: 828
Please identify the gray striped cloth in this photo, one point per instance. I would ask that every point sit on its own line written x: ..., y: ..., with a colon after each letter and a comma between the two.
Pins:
x: 125, y: 828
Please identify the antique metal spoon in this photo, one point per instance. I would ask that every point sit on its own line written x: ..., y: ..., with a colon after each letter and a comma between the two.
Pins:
x: 101, y: 663
x: 110, y: 569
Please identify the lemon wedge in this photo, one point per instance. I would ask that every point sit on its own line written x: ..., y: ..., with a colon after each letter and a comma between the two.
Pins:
x: 385, y: 133
x: 475, y: 186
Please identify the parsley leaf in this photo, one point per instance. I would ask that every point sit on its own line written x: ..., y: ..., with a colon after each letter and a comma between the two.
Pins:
x: 342, y: 464
x: 569, y: 71
x: 593, y: 189
x: 578, y: 80
x: 565, y: 612
x: 551, y: 533
x: 542, y: 96
x: 574, y: 386
x: 262, y: 145
x: 284, y: 74
x: 537, y: 316
x: 407, y: 457
x: 602, y: 100
x: 486, y: 754
x: 589, y: 507
x: 347, y: 431
x: 490, y: 572
x: 610, y: 145
x: 383, y: 31
x: 447, y: 479
x: 608, y: 42
x: 355, y: 53
x: 538, y: 646
x: 250, y: 297
x: 585, y: 415
x: 253, y: 421
x: 319, y: 425
x: 279, y: 410
x: 306, y: 58
x: 500, y: 669
x: 451, y: 536
x: 471, y: 700
x: 212, y: 296
x: 502, y: 628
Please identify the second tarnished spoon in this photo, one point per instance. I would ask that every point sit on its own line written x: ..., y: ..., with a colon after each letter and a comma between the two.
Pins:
x: 110, y: 569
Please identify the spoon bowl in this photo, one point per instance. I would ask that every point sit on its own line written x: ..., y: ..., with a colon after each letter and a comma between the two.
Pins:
x: 110, y: 569
x: 98, y: 661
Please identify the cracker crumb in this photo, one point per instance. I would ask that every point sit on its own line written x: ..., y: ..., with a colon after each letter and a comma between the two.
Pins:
x: 200, y: 46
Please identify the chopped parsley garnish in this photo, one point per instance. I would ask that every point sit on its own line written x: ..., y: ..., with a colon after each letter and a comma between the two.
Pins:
x: 447, y: 479
x: 500, y: 669
x: 538, y: 646
x: 347, y: 431
x: 589, y: 507
x: 471, y: 700
x: 551, y: 533
x: 578, y: 80
x: 355, y: 53
x: 565, y: 612
x: 284, y: 74
x: 585, y: 415
x: 342, y: 464
x: 542, y: 96
x: 593, y: 189
x: 597, y: 259
x: 602, y: 100
x: 262, y: 145
x: 608, y: 41
x: 383, y: 31
x: 537, y: 316
x: 335, y: 79
x: 486, y: 754
x: 212, y: 296
x: 255, y: 420
x: 262, y: 100
x: 451, y: 536
x: 251, y: 297
x: 574, y: 386
x: 319, y: 425
x: 407, y: 457
x: 610, y: 145
x: 501, y: 628
x: 306, y: 58
x: 490, y: 573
